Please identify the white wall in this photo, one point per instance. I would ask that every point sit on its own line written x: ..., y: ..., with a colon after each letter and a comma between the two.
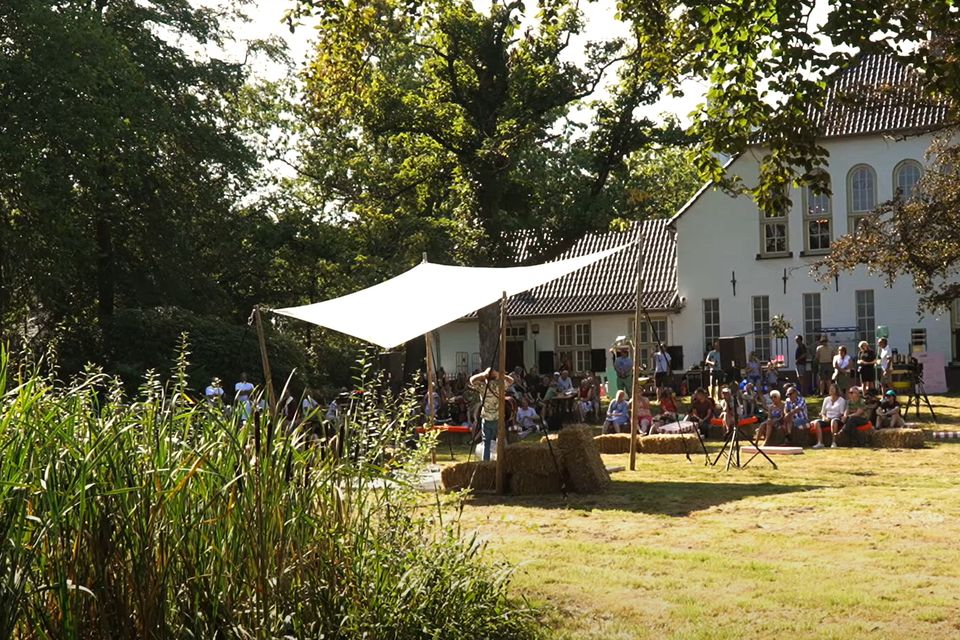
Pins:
x: 718, y: 235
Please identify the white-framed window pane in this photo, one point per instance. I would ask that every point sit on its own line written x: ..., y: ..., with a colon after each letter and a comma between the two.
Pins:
x: 866, y: 318
x: 818, y: 204
x: 564, y: 335
x: 908, y: 174
x: 775, y: 237
x: 761, y: 327
x: 863, y: 190
x: 582, y: 361
x: 711, y: 322
x: 812, y: 318
x: 818, y: 234
x: 582, y: 334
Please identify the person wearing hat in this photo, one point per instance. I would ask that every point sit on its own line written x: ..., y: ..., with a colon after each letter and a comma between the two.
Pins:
x: 623, y: 365
x: 888, y: 413
x: 214, y: 393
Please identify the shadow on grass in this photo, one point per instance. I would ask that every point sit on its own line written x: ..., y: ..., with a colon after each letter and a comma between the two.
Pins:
x: 677, y: 499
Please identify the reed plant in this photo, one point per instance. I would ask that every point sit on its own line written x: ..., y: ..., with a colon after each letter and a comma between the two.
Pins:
x: 156, y: 517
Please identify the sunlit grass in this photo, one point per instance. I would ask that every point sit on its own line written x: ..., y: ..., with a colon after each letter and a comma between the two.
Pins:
x: 846, y: 543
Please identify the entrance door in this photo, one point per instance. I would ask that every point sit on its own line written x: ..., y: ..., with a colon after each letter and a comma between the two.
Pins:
x: 514, y: 354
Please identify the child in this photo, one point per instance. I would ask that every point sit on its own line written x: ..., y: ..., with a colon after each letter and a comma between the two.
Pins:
x: 888, y: 414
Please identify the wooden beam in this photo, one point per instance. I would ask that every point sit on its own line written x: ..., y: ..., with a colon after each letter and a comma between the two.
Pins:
x: 265, y: 361
x: 502, y: 393
x: 634, y: 383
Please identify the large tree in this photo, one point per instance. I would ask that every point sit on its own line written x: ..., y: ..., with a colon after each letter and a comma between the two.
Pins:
x: 120, y: 159
x: 447, y: 126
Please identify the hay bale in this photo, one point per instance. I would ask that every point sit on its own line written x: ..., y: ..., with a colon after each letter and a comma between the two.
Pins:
x: 582, y: 463
x: 533, y: 458
x: 479, y: 476
x: 670, y: 443
x: 614, y: 443
x: 897, y: 438
x: 526, y: 484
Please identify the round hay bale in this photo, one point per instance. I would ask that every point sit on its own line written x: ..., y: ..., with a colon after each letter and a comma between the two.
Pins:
x: 670, y: 443
x: 479, y: 476
x: 614, y: 443
x: 897, y: 438
x: 581, y: 459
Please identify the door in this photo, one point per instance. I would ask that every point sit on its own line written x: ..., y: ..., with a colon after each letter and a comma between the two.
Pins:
x: 514, y: 354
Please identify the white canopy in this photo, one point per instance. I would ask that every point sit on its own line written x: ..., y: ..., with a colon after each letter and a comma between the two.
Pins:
x: 429, y: 296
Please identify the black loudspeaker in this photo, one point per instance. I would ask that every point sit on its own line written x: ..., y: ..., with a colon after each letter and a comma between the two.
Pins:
x: 733, y: 353
x: 676, y: 357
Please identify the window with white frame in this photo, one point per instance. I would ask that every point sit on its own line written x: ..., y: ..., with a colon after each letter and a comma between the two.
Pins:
x: 711, y: 322
x: 761, y: 327
x: 573, y: 346
x: 906, y: 175
x: 774, y: 233
x: 861, y: 195
x: 866, y: 318
x: 812, y: 318
x: 817, y: 218
x: 652, y: 331
x: 918, y: 340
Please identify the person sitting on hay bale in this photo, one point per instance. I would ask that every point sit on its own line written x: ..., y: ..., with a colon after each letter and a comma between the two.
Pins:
x: 702, y: 409
x: 527, y: 420
x: 644, y: 414
x: 588, y: 401
x: 797, y: 417
x: 750, y: 400
x: 776, y: 419
x: 669, y: 410
x: 855, y: 419
x: 618, y: 414
x: 888, y: 413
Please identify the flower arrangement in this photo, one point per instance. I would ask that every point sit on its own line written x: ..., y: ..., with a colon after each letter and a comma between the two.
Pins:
x: 780, y: 326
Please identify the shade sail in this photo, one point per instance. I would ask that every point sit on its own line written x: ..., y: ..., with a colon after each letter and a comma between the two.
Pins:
x: 429, y: 296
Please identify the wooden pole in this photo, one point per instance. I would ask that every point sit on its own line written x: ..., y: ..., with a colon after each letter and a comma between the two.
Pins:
x: 265, y: 360
x: 502, y: 392
x: 431, y: 374
x: 634, y: 384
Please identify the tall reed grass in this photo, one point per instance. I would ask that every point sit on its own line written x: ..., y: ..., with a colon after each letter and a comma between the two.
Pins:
x: 159, y: 518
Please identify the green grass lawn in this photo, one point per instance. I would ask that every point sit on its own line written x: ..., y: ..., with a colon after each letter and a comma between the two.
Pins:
x: 845, y: 543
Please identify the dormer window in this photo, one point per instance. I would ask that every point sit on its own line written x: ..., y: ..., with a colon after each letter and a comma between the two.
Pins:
x: 861, y: 195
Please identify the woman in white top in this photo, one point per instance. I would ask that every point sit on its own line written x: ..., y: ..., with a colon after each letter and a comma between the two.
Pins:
x: 842, y: 366
x: 831, y: 413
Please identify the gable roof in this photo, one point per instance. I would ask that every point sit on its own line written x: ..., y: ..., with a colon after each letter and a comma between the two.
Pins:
x: 609, y: 285
x: 877, y: 95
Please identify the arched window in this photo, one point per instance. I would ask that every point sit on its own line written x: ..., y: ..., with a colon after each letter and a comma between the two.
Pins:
x: 861, y: 194
x: 817, y: 217
x: 905, y: 178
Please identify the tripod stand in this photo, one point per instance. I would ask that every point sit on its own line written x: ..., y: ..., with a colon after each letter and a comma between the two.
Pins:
x: 918, y: 392
x: 731, y: 446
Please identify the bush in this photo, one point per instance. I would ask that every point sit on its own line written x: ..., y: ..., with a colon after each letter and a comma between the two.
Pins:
x: 161, y: 519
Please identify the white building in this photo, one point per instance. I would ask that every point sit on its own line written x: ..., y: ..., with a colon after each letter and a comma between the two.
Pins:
x: 735, y: 268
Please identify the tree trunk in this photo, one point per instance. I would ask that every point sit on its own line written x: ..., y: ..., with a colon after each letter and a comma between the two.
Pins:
x: 488, y: 319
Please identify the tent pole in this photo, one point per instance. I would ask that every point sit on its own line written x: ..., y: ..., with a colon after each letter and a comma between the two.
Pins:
x: 634, y: 382
x: 431, y: 410
x: 265, y: 361
x: 502, y: 392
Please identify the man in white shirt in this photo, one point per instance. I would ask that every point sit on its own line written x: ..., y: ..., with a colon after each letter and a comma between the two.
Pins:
x: 527, y: 418
x: 884, y: 360
x: 564, y: 382
x: 715, y: 367
x: 661, y: 364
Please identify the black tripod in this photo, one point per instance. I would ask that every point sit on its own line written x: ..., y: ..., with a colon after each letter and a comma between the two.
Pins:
x: 731, y: 445
x: 918, y: 392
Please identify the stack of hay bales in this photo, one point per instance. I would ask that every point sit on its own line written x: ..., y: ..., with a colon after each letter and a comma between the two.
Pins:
x: 533, y: 469
x: 670, y: 443
x: 614, y: 443
x: 897, y: 438
x: 585, y: 470
x: 479, y: 476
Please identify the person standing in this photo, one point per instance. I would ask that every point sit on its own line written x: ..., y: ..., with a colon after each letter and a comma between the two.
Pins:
x: 866, y: 365
x: 842, y: 368
x: 714, y: 365
x: 243, y: 397
x: 623, y: 365
x: 661, y: 370
x: 484, y: 383
x: 214, y: 393
x: 800, y: 360
x: 884, y: 360
x: 824, y: 362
